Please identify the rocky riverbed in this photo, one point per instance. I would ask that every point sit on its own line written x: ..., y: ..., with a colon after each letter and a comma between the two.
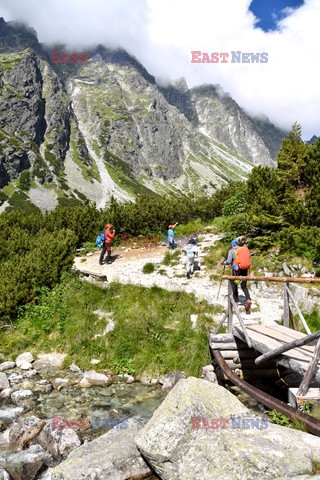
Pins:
x: 46, y: 412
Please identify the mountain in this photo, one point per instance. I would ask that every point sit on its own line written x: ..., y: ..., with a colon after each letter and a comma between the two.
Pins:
x: 312, y: 140
x: 72, y: 131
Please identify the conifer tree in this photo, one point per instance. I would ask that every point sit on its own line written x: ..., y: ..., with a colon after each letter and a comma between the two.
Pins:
x: 291, y: 158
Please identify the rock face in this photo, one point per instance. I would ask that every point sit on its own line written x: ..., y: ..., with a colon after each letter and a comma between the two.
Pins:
x: 112, y: 456
x: 178, y: 450
x: 98, y: 129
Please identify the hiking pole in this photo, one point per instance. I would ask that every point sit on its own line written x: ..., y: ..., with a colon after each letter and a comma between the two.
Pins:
x: 224, y: 267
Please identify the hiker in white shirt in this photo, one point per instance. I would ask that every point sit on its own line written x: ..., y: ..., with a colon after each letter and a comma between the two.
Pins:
x: 191, y: 251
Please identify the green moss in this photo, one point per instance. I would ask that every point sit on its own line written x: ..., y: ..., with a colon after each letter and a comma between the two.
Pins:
x: 9, y: 189
x: 133, y: 187
x: 10, y: 60
x: 3, y: 197
x: 24, y: 180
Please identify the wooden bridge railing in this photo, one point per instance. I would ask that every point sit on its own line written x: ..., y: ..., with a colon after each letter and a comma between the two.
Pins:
x: 287, y: 317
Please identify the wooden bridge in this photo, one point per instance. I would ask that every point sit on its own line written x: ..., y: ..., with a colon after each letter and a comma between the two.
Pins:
x: 281, y: 345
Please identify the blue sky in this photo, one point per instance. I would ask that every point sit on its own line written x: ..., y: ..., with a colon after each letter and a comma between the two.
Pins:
x: 270, y: 11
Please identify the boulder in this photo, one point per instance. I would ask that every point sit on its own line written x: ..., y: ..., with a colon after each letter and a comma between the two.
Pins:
x: 6, y: 366
x: 112, y: 456
x: 22, y: 434
x: 20, y: 396
x: 26, y: 465
x: 210, y: 377
x: 9, y: 415
x: 286, y: 269
x: 74, y: 368
x: 58, y: 441
x: 207, y: 368
x: 170, y: 380
x: 6, y: 393
x: 4, y: 382
x: 30, y: 373
x: 93, y: 378
x: 59, y: 383
x: 4, y: 475
x: 25, y: 365
x: 24, y: 359
x: 203, y: 432
x: 15, y: 378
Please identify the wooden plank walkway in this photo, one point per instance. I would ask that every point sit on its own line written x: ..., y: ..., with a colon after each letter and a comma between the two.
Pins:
x: 268, y: 337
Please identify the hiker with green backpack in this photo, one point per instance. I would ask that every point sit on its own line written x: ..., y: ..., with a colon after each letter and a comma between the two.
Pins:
x: 239, y: 258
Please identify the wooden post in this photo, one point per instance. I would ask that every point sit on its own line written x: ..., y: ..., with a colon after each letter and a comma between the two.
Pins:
x: 287, y: 346
x: 308, y: 376
x: 241, y: 322
x: 304, y: 323
x: 225, y: 316
x: 230, y: 309
x: 286, y: 306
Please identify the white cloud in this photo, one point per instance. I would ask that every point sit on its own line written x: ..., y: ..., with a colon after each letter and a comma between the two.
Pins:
x: 162, y: 34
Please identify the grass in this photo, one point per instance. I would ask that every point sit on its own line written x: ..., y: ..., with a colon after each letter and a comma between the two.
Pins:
x: 171, y: 258
x: 152, y: 335
x: 148, y: 268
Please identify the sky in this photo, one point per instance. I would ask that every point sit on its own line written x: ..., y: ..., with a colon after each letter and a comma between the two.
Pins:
x: 161, y: 34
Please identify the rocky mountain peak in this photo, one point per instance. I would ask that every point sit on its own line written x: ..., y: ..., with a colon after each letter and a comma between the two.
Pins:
x: 16, y: 36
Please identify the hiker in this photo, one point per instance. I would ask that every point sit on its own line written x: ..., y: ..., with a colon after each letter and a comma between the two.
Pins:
x: 191, y: 251
x: 171, y: 236
x: 239, y: 258
x: 108, y: 237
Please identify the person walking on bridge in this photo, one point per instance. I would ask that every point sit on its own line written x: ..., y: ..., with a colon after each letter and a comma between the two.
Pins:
x: 239, y: 259
x: 108, y: 237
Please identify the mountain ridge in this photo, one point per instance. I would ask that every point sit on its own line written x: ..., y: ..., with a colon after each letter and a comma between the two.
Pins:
x: 93, y: 130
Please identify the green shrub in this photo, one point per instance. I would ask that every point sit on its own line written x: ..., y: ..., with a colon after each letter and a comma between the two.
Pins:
x: 148, y: 268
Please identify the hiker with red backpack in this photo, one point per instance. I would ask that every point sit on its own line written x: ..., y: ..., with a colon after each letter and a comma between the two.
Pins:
x: 106, y: 247
x: 239, y: 258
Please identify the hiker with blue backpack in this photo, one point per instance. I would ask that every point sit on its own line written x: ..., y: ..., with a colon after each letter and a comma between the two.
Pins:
x: 106, y: 243
x: 239, y: 259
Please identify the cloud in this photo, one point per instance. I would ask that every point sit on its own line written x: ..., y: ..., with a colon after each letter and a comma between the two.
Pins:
x: 162, y: 34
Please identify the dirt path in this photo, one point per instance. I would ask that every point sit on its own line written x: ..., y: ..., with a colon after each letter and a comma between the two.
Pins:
x: 127, y: 267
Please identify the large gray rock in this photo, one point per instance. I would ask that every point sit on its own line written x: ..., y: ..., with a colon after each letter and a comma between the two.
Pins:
x: 93, y: 378
x: 4, y: 475
x: 9, y: 415
x: 23, y: 359
x: 6, y: 393
x: 112, y: 456
x: 170, y: 380
x: 22, y: 434
x: 4, y: 382
x: 179, y: 451
x: 19, y: 397
x: 25, y: 465
x: 6, y: 366
x: 57, y: 441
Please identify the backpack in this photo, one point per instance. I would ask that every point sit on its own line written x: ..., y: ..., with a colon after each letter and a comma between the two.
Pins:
x: 100, y: 239
x: 242, y: 259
